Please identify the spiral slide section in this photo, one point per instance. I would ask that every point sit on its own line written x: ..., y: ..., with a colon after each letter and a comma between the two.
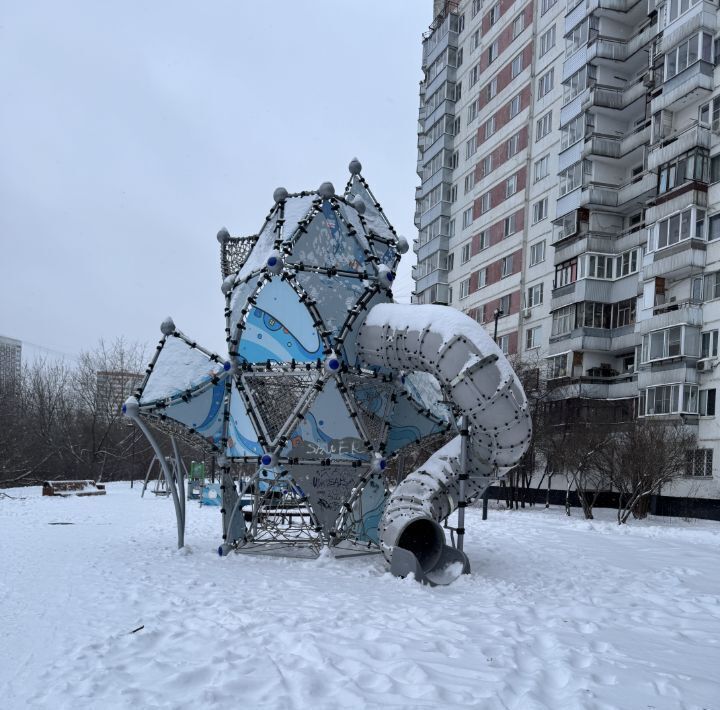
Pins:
x: 486, y: 397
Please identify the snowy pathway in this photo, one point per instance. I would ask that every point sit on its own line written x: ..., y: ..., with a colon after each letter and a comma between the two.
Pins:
x: 558, y: 613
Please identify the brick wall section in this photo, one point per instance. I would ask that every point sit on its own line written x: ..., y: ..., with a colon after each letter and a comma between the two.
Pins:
x: 505, y: 5
x: 496, y: 232
x: 502, y: 115
x: 494, y: 271
x: 504, y: 76
x: 505, y: 38
x: 498, y: 193
x: 500, y: 154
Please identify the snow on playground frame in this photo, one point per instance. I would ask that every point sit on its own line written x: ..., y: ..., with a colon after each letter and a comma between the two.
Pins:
x: 325, y: 380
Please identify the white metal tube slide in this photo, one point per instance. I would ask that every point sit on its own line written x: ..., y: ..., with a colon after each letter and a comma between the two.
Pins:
x: 478, y: 380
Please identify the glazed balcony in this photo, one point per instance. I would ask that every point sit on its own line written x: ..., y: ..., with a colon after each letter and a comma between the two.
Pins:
x: 677, y: 143
x: 691, y: 85
x: 673, y: 313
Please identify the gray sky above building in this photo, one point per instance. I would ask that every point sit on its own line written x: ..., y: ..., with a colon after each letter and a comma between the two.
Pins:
x: 130, y: 133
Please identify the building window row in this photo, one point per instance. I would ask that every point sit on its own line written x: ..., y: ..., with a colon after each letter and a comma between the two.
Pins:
x: 691, y: 166
x: 680, y: 398
x: 677, y: 341
x: 590, y: 314
x: 699, y: 46
x: 688, y: 224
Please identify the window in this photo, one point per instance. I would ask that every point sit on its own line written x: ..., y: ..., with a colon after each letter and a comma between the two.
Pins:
x: 482, y: 240
x: 509, y: 226
x: 711, y: 286
x: 489, y: 127
x: 518, y: 25
x: 558, y: 366
x: 546, y: 83
x: 511, y: 186
x: 570, y: 179
x: 714, y: 229
x: 706, y: 403
x: 566, y: 273
x: 578, y: 82
x: 669, y: 399
x: 470, y: 147
x: 534, y: 295
x: 465, y: 253
x: 544, y: 126
x: 578, y: 37
x: 699, y: 462
x: 472, y: 111
x: 563, y: 320
x: 626, y: 263
x: 542, y: 168
x: 453, y: 194
x: 469, y: 181
x: 547, y: 41
x: 461, y: 23
x: 464, y: 288
x: 662, y: 344
x: 572, y: 132
x: 540, y: 210
x: 454, y: 158
x: 456, y: 126
x: 482, y: 278
x: 513, y: 145
x: 486, y: 165
x: 458, y: 91
x: 517, y: 66
x: 450, y: 261
x: 494, y: 14
x: 515, y: 106
x: 451, y: 228
x: 503, y: 343
x: 693, y: 165
x: 681, y: 226
x: 678, y: 7
x: 475, y: 74
x: 485, y: 203
x: 491, y: 90
x: 505, y: 304
x: 467, y: 217
x: 623, y: 313
x: 593, y: 315
x: 709, y: 344
x: 715, y: 167
x: 533, y: 336
x: 476, y: 5
x: 492, y: 52
x: 597, y: 266
x: 537, y: 253
x: 460, y: 55
x: 545, y: 5
x: 475, y: 41
x: 698, y: 46
x: 506, y: 265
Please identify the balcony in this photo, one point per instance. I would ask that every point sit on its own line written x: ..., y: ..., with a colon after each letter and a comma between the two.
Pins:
x: 689, y: 197
x: 623, y: 386
x: 604, y: 47
x: 678, y: 142
x: 434, y: 278
x: 614, y: 97
x: 615, y: 147
x: 678, y: 261
x: 604, y: 195
x: 692, y: 84
x: 699, y: 17
x: 673, y: 313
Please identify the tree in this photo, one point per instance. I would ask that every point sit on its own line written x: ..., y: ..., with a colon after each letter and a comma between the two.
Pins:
x: 641, y: 458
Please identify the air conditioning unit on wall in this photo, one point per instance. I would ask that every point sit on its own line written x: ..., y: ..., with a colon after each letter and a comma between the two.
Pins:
x: 526, y: 313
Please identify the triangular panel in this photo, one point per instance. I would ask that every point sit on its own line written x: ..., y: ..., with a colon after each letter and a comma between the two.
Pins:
x: 326, y: 488
x: 327, y: 243
x: 279, y: 328
x: 177, y: 369
x: 276, y: 396
x: 374, y: 406
x: 242, y: 438
x: 325, y: 432
x: 408, y: 425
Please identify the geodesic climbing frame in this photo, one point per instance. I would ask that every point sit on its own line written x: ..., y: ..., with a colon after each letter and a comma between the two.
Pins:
x: 325, y: 379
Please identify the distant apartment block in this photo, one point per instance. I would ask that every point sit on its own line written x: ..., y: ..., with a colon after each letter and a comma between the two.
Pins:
x: 113, y: 387
x: 569, y: 157
x: 10, y: 364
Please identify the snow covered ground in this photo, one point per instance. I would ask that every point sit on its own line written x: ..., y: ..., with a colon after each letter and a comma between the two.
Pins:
x: 558, y: 613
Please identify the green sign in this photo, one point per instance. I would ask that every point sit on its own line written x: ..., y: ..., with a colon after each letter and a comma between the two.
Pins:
x: 197, y: 471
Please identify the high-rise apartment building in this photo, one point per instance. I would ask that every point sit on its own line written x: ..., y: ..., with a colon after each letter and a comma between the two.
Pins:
x: 10, y: 363
x: 569, y: 155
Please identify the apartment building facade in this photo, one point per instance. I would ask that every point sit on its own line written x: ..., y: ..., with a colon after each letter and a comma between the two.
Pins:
x: 569, y: 156
x: 10, y: 364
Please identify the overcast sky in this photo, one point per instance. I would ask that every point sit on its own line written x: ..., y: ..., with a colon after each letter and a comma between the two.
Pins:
x: 130, y: 132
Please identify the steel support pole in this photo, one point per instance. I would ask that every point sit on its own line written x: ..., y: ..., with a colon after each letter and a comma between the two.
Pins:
x: 463, y: 477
